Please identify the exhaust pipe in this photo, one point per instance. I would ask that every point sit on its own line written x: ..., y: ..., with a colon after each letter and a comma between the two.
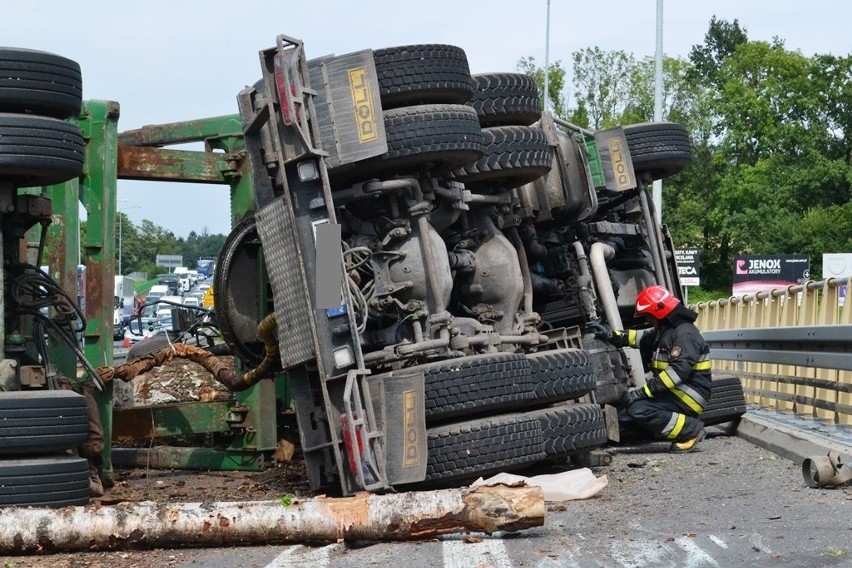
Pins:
x: 822, y: 471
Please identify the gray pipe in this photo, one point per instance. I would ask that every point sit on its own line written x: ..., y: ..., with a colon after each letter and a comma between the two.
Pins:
x: 656, y: 253
x: 600, y: 253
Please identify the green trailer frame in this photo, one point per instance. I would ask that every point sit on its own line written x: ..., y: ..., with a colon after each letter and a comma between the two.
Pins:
x: 253, y: 420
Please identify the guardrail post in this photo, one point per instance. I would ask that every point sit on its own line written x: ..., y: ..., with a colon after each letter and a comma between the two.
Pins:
x: 789, y: 314
x: 827, y: 316
x: 807, y: 317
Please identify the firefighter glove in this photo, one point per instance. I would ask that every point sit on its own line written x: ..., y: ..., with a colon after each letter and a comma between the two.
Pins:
x: 615, y: 337
x: 634, y: 396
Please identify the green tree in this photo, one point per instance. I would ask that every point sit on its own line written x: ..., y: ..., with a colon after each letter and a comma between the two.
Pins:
x: 555, y: 83
x: 599, y: 82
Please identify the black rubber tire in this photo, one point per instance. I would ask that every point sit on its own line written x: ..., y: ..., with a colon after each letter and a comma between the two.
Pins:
x: 467, y: 450
x: 727, y: 401
x: 514, y: 155
x: 571, y: 428
x: 36, y: 150
x: 42, y: 421
x: 47, y: 481
x: 422, y: 74
x: 434, y: 137
x: 660, y: 149
x: 468, y: 386
x: 562, y: 374
x: 503, y: 99
x: 39, y: 83
x: 232, y: 317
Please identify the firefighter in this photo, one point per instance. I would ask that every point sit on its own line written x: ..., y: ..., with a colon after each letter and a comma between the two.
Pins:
x: 677, y: 361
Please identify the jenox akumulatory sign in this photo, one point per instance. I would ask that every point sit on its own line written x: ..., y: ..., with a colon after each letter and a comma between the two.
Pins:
x: 688, y: 266
x: 764, y: 273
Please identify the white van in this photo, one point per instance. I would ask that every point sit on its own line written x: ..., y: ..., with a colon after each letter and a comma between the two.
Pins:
x: 158, y: 290
x: 166, y: 309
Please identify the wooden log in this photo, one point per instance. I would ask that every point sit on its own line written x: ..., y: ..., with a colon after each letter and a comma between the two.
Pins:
x: 363, y: 517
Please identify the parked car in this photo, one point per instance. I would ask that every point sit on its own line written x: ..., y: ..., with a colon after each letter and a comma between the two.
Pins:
x: 137, y: 330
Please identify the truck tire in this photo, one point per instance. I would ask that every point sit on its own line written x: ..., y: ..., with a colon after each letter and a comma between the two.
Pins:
x: 513, y: 156
x: 727, y: 401
x: 37, y: 82
x: 436, y: 137
x: 236, y: 310
x: 35, y: 150
x: 472, y: 385
x: 422, y: 74
x: 42, y: 421
x: 47, y: 481
x: 474, y: 448
x: 563, y: 374
x: 571, y: 428
x: 660, y: 149
x: 503, y: 99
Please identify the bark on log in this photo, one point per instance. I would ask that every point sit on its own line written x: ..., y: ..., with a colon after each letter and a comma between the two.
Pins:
x: 363, y: 517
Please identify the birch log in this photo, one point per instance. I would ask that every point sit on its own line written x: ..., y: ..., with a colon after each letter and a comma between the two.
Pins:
x: 363, y: 517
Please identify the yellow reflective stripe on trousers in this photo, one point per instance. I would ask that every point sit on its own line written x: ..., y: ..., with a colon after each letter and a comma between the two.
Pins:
x: 688, y: 400
x: 675, y: 425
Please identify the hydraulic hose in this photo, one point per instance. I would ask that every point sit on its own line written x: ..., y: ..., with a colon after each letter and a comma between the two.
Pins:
x: 271, y: 361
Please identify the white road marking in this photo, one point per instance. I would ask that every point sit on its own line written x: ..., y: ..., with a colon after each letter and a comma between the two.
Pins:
x: 721, y: 543
x: 757, y: 543
x: 641, y: 553
x: 696, y: 557
x: 301, y: 556
x: 489, y: 553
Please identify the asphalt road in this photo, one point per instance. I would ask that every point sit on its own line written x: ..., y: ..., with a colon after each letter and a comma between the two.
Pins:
x: 730, y: 504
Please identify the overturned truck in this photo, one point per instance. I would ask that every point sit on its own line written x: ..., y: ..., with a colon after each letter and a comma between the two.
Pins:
x: 425, y: 255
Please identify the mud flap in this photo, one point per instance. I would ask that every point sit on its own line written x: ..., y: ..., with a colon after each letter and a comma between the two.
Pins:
x: 402, y: 400
x: 615, y: 159
x: 613, y: 433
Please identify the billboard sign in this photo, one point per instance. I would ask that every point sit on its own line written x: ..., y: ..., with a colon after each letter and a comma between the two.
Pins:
x: 169, y: 260
x: 768, y: 272
x: 837, y: 265
x: 688, y: 267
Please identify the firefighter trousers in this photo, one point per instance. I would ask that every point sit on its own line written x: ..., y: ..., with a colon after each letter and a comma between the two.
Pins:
x: 661, y: 417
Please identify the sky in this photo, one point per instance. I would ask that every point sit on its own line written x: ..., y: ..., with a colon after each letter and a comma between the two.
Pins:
x: 170, y: 60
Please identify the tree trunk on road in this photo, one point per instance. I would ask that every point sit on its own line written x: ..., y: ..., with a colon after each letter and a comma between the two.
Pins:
x: 364, y: 517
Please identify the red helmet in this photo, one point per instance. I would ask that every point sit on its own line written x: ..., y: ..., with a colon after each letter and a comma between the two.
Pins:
x: 655, y: 301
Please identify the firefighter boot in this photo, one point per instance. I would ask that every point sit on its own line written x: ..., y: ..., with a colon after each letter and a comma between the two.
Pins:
x: 96, y: 486
x: 689, y: 445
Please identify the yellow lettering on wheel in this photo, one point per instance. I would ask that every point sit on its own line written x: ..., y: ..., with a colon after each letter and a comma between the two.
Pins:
x: 619, y: 166
x: 411, y: 443
x: 362, y: 101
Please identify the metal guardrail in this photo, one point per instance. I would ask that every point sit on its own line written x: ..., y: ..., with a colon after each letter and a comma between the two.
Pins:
x: 792, y: 347
x: 827, y: 346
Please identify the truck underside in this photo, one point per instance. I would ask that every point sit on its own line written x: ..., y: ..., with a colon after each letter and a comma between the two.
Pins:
x: 477, y: 237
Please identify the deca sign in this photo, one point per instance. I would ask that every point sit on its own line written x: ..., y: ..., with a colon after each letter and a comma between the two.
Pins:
x: 687, y: 266
x: 764, y: 273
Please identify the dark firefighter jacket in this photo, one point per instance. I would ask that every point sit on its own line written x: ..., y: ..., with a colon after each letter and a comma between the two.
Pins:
x: 678, y: 356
